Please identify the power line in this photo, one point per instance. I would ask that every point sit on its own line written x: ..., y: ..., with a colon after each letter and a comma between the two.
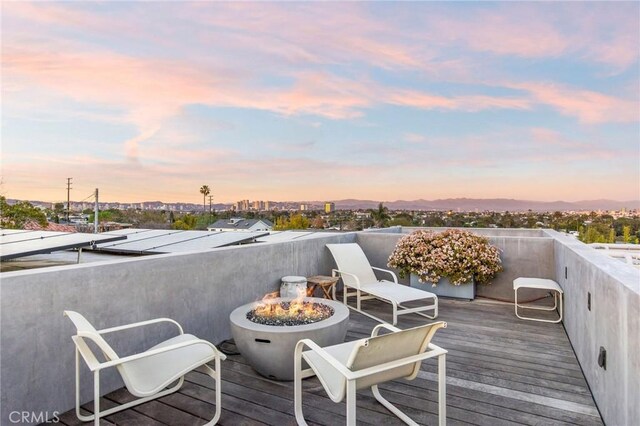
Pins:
x: 85, y: 199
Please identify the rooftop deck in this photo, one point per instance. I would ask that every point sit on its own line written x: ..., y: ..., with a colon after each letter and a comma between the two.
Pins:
x: 500, y: 371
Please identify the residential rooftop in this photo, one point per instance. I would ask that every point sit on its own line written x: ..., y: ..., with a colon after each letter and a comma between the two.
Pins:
x: 502, y: 370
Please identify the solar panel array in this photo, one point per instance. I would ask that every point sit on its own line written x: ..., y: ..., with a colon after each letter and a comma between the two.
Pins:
x: 156, y: 241
x: 20, y: 243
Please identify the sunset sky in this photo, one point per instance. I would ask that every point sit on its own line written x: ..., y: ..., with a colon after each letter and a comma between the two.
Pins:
x: 320, y: 101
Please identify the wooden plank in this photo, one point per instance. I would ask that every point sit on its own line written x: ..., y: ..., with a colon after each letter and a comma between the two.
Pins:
x: 562, y: 404
x: 479, y: 400
x: 465, y: 371
x: 204, y: 408
x: 158, y: 411
x: 126, y: 417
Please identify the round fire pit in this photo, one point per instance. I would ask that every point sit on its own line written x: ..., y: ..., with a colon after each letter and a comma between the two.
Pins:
x: 269, y: 348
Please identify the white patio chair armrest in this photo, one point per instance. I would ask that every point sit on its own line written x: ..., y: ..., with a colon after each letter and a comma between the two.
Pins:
x: 377, y: 328
x: 140, y: 324
x: 393, y: 275
x: 376, y: 369
x: 146, y: 354
x: 437, y: 349
x: 82, y: 347
x: 334, y: 271
x: 348, y: 374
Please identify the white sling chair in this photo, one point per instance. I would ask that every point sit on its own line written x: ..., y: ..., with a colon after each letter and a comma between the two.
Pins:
x: 347, y: 367
x: 356, y: 272
x: 147, y: 374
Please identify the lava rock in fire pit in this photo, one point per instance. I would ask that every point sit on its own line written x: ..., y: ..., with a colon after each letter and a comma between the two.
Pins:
x: 290, y: 313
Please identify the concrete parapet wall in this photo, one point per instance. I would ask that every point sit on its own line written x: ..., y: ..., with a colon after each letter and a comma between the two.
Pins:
x: 199, y: 290
x: 613, y: 323
x: 490, y: 232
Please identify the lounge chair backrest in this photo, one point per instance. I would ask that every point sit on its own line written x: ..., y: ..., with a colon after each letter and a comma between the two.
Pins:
x: 390, y: 347
x: 350, y: 258
x: 88, y: 331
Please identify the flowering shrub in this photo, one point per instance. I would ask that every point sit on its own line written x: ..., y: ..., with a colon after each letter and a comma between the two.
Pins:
x: 456, y: 254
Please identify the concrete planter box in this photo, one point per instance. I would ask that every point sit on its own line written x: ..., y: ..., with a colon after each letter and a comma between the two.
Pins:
x: 446, y: 289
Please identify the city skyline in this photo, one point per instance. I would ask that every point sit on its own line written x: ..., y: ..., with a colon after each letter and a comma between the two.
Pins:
x: 382, y: 101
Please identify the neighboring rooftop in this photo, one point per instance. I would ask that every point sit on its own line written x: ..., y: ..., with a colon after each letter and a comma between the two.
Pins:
x: 240, y: 224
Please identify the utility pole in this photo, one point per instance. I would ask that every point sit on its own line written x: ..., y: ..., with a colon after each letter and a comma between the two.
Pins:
x: 68, y: 197
x: 95, y: 214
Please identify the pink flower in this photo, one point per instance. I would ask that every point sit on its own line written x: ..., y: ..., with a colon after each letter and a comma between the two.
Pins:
x: 457, y: 254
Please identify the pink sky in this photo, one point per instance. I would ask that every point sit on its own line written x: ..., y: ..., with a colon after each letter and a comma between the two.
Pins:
x: 323, y: 101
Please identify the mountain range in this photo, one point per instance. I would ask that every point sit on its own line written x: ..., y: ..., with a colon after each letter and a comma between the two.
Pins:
x: 493, y: 204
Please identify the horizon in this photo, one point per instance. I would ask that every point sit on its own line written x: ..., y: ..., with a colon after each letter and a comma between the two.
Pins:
x: 357, y: 200
x: 368, y: 101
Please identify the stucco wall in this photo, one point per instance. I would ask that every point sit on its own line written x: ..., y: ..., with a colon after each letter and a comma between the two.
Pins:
x: 199, y: 290
x: 613, y: 323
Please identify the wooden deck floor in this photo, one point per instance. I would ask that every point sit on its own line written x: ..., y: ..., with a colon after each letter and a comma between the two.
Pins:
x: 500, y: 371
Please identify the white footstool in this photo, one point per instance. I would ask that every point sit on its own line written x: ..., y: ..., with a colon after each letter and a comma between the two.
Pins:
x: 540, y: 284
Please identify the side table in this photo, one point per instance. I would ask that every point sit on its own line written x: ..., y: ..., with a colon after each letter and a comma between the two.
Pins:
x: 325, y: 282
x: 540, y: 284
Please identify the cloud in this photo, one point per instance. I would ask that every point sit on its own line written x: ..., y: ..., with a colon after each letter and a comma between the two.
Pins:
x: 588, y: 106
x: 604, y: 33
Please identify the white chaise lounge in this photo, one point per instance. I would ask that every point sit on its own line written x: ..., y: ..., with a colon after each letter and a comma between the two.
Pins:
x: 344, y: 368
x: 357, y: 273
x: 148, y: 374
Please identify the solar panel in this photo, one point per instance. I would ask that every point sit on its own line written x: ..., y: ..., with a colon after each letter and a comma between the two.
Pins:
x: 214, y: 240
x: 29, y: 235
x: 4, y: 232
x: 146, y: 234
x: 156, y: 241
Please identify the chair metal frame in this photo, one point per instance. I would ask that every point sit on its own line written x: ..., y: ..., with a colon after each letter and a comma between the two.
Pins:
x: 351, y: 377
x: 95, y: 366
x: 398, y: 308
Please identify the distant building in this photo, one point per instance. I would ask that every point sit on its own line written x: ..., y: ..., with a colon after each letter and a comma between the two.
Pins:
x: 242, y: 206
x: 267, y: 205
x: 258, y: 205
x: 79, y: 219
x: 329, y: 207
x: 240, y: 224
x: 304, y: 207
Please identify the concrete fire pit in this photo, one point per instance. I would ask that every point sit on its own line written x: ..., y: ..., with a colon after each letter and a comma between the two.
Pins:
x: 269, y: 348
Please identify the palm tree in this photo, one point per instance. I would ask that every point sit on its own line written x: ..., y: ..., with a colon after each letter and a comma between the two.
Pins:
x: 380, y: 216
x: 204, y: 190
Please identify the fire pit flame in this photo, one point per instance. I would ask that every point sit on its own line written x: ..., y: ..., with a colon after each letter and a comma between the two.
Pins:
x: 272, y: 311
